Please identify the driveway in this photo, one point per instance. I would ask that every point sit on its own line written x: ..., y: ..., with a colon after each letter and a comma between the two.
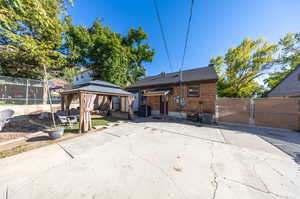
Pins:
x: 153, y: 159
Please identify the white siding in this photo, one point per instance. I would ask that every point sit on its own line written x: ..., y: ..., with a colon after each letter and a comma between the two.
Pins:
x: 83, y: 77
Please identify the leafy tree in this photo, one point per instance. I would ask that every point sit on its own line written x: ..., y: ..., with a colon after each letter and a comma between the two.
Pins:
x: 30, y: 37
x: 288, y: 59
x: 241, y: 66
x: 67, y: 74
x: 139, y: 53
x: 111, y: 56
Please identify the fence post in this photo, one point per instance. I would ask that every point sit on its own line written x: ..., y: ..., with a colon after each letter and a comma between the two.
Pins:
x: 251, y: 118
x: 27, y: 92
x: 5, y: 100
x: 217, y: 108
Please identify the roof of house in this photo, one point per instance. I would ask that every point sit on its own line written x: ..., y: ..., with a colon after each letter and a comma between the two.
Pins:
x: 272, y: 92
x: 98, y: 86
x: 82, y: 70
x: 197, y: 74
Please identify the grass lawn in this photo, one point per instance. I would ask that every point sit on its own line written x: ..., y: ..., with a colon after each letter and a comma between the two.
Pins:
x: 6, y: 104
x: 95, y: 122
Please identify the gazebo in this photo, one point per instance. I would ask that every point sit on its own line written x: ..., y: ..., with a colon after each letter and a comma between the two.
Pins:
x: 87, y: 93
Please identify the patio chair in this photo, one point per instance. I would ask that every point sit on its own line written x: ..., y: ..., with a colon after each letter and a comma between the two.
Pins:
x: 67, y: 120
x: 104, y: 108
x: 61, y: 113
x: 4, y: 117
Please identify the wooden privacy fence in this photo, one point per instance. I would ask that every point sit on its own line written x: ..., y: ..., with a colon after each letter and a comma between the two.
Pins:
x: 267, y: 112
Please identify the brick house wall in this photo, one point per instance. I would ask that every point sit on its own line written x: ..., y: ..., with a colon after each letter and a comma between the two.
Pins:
x: 204, y: 103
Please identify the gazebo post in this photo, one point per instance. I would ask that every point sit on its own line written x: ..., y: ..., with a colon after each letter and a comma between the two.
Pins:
x: 130, y: 112
x: 165, y: 106
x: 62, y: 102
x: 109, y: 113
x: 81, y: 114
x: 68, y: 103
x: 146, y: 105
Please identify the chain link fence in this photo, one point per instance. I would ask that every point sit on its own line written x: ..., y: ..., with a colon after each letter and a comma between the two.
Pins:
x: 20, y: 91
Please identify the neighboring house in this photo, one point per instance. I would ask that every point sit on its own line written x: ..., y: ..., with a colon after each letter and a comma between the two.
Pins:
x: 58, y: 85
x: 166, y: 94
x: 82, y: 77
x: 289, y: 86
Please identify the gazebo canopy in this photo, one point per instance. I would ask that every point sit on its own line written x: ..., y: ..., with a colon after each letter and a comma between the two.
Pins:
x: 98, y: 87
x: 87, y: 93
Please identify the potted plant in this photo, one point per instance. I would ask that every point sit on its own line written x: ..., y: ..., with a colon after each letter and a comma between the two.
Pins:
x: 55, y: 132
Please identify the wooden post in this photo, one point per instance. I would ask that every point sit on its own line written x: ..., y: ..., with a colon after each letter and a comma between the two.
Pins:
x: 165, y: 106
x: 130, y: 112
x: 109, y: 112
x: 62, y: 102
x: 81, y: 114
x: 69, y: 98
x: 146, y: 105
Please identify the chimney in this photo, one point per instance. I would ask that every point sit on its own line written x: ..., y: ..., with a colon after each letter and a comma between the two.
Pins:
x: 163, y: 74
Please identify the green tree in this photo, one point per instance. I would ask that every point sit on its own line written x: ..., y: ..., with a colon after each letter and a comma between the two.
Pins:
x: 241, y: 66
x: 30, y: 37
x: 288, y: 59
x: 139, y: 53
x: 111, y: 56
x: 67, y: 74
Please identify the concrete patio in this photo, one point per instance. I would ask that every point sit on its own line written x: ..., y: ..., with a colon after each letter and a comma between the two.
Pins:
x: 154, y: 159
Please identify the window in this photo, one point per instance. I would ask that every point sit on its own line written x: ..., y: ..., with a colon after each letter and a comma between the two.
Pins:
x: 298, y: 77
x: 193, y: 91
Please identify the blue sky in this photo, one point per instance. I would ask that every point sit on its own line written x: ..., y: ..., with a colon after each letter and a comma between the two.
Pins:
x: 216, y: 24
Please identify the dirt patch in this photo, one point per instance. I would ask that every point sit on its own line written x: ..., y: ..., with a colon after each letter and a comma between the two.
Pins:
x: 18, y: 129
x: 33, y: 134
x: 32, y: 143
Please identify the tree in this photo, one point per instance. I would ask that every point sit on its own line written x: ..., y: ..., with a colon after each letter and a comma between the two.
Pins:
x: 288, y: 59
x: 140, y: 53
x: 67, y: 74
x: 111, y: 56
x: 241, y: 66
x: 30, y: 37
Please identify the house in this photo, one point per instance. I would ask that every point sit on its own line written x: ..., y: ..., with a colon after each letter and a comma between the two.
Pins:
x: 289, y: 86
x: 178, y: 94
x: 83, y: 76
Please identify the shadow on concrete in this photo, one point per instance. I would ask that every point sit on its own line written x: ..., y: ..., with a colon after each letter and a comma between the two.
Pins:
x: 38, y: 139
x: 286, y: 140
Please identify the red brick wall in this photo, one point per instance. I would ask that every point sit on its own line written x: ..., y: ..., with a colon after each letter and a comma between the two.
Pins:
x: 192, y: 104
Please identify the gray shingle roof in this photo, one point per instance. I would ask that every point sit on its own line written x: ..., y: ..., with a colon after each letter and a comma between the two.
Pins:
x: 96, y: 82
x: 197, y: 74
x: 102, y: 89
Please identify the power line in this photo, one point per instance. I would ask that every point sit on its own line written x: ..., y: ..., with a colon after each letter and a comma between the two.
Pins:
x: 163, y: 34
x: 187, y: 33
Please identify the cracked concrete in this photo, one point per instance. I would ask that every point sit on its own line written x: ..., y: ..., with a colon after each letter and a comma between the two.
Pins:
x: 215, y: 182
x: 137, y: 160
